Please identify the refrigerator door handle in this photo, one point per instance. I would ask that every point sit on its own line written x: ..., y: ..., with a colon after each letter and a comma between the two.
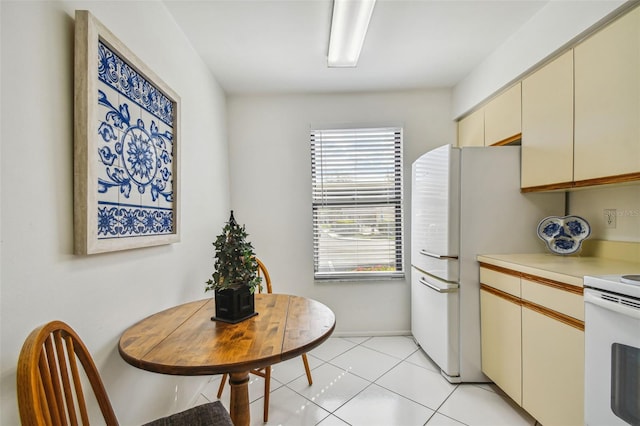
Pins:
x: 436, y: 256
x: 436, y: 288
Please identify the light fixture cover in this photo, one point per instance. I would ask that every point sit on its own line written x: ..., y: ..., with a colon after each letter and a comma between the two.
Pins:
x: 348, y: 28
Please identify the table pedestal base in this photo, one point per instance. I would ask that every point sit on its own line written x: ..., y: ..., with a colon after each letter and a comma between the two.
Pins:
x: 239, y: 405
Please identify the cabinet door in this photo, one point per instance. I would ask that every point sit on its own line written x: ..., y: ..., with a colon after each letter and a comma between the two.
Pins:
x: 501, y: 339
x: 471, y: 129
x: 503, y: 117
x: 607, y: 101
x: 547, y: 124
x: 552, y: 370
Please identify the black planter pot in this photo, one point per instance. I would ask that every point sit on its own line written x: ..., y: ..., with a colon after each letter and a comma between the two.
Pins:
x: 234, y: 304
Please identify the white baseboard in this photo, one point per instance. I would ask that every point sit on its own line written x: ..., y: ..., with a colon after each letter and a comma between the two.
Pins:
x: 371, y: 333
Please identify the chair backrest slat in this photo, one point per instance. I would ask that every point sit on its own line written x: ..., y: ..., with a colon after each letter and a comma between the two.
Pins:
x: 47, y: 366
x: 77, y: 382
x: 66, y: 356
x: 46, y: 412
x: 48, y: 372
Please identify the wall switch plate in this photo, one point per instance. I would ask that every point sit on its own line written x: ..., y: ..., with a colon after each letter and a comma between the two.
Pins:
x: 610, y: 216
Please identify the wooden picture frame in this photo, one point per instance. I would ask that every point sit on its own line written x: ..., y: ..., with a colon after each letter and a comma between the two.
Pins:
x: 126, y: 147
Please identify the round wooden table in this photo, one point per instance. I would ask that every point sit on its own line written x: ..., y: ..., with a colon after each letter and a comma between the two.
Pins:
x: 184, y: 341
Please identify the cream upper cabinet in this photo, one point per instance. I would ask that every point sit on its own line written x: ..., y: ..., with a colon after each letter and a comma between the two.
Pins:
x: 497, y: 123
x: 547, y: 124
x: 503, y: 118
x: 607, y: 101
x: 471, y: 129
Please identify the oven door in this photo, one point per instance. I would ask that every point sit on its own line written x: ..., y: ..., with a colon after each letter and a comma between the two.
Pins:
x: 612, y: 359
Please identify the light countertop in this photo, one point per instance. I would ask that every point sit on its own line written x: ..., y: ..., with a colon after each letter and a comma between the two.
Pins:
x: 567, y: 269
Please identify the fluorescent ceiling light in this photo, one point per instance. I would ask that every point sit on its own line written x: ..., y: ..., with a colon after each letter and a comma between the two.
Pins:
x: 348, y: 27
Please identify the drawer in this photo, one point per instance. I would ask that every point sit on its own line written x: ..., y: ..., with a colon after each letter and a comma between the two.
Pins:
x: 567, y: 301
x: 501, y: 281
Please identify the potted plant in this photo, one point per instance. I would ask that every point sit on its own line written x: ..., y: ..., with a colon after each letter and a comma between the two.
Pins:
x: 235, y: 279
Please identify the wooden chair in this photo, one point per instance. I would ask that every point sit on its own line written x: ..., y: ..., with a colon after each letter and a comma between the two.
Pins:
x: 266, y: 372
x: 50, y: 384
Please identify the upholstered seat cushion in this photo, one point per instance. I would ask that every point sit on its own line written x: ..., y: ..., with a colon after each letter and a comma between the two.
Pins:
x: 210, y: 414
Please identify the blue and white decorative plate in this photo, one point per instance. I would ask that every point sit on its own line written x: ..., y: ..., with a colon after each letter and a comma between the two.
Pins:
x: 563, y: 235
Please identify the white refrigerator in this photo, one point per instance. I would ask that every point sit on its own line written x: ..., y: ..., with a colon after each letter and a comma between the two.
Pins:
x: 465, y: 202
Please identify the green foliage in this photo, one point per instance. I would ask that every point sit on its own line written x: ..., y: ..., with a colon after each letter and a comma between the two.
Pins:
x: 235, y: 262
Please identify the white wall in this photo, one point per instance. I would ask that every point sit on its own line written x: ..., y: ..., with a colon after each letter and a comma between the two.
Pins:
x: 271, y: 189
x: 590, y: 204
x: 99, y: 295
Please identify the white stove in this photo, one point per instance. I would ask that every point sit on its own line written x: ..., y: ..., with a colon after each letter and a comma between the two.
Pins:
x: 625, y: 285
x: 612, y: 349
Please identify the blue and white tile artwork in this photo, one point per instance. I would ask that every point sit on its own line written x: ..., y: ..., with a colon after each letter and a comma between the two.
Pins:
x: 135, y: 152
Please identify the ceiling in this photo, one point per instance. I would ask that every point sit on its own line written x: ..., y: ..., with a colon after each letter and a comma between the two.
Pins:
x: 280, y: 46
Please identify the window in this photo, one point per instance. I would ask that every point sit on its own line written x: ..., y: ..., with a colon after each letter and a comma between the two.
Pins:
x: 357, y: 203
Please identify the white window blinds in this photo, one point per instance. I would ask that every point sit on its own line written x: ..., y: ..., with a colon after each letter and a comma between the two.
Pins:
x: 357, y: 203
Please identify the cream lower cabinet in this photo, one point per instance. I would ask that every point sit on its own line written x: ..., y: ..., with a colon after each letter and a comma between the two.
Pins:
x: 532, y: 333
x: 501, y: 342
x: 552, y: 370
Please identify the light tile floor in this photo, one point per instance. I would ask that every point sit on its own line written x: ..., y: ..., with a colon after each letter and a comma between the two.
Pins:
x: 371, y: 381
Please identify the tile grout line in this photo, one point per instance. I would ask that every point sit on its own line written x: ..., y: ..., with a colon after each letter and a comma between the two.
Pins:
x: 368, y: 384
x: 373, y: 382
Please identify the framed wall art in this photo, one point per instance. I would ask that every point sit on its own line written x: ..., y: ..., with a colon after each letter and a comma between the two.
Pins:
x: 126, y: 147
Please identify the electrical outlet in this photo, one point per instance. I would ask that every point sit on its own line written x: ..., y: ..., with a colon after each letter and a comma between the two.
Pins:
x: 610, y: 216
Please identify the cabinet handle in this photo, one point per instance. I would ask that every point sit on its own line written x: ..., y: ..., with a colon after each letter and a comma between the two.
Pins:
x: 436, y: 288
x: 437, y: 256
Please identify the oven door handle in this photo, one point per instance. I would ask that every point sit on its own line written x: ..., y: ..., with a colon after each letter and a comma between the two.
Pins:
x: 612, y: 306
